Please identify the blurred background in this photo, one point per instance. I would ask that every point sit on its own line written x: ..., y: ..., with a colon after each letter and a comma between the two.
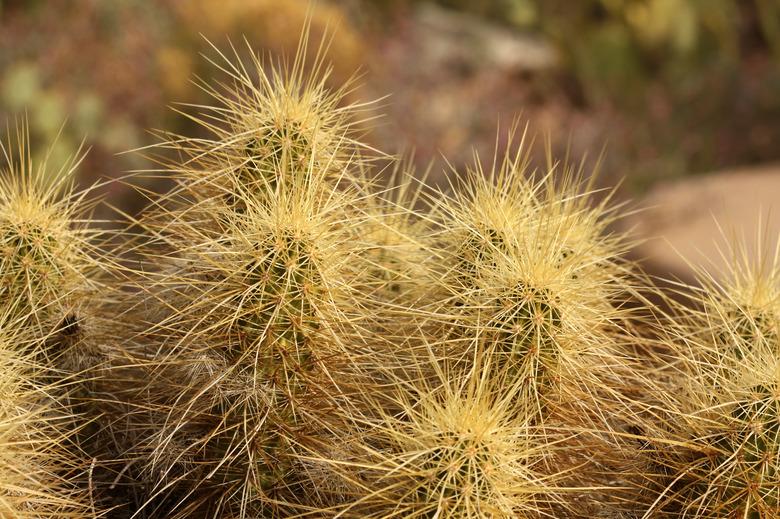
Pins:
x: 684, y: 94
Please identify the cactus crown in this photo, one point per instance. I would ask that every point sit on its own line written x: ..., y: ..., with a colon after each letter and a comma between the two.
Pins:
x: 531, y: 272
x: 270, y: 123
x: 45, y: 251
x: 455, y: 448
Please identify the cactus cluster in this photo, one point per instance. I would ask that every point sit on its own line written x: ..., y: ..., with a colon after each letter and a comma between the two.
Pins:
x: 288, y: 333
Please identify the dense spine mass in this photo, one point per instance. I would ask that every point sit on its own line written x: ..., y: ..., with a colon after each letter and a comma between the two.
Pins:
x: 264, y: 300
x: 301, y: 327
x: 47, y: 273
x: 44, y: 251
x: 725, y: 415
x: 312, y: 343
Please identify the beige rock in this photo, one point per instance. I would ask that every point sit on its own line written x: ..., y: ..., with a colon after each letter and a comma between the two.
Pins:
x: 691, y: 222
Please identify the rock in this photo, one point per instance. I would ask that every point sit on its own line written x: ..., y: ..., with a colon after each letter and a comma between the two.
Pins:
x: 690, y: 223
x: 459, y: 37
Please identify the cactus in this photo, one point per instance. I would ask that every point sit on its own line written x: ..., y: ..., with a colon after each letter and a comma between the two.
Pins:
x: 271, y: 121
x: 53, y: 266
x: 396, y: 238
x: 454, y: 448
x: 39, y: 467
x: 251, y: 326
x: 528, y: 266
x: 441, y: 443
x: 45, y: 250
x: 55, y: 300
x: 261, y: 310
x: 298, y: 337
x: 724, y: 431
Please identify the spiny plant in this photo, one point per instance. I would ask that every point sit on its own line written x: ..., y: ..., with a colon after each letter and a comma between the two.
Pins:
x: 46, y: 250
x: 54, y: 300
x: 301, y: 339
x: 39, y: 467
x: 455, y: 447
x: 719, y: 452
x: 531, y: 279
x: 746, y: 304
x: 250, y: 327
x: 53, y: 263
x: 269, y: 121
x: 257, y: 313
x: 396, y: 237
x: 529, y: 266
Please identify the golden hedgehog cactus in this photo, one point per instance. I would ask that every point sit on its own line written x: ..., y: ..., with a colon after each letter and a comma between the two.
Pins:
x: 302, y: 340
x: 51, y: 267
x: 263, y: 306
x: 55, y: 271
x: 719, y: 453
x: 447, y: 445
x: 269, y: 121
x: 530, y: 270
x: 263, y: 301
x: 46, y: 250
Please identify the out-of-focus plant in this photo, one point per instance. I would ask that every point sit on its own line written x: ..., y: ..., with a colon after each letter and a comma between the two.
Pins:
x: 614, y: 46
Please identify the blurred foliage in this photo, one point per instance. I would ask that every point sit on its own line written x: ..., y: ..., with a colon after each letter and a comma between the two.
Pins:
x: 270, y: 25
x: 615, y: 47
x: 686, y: 85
